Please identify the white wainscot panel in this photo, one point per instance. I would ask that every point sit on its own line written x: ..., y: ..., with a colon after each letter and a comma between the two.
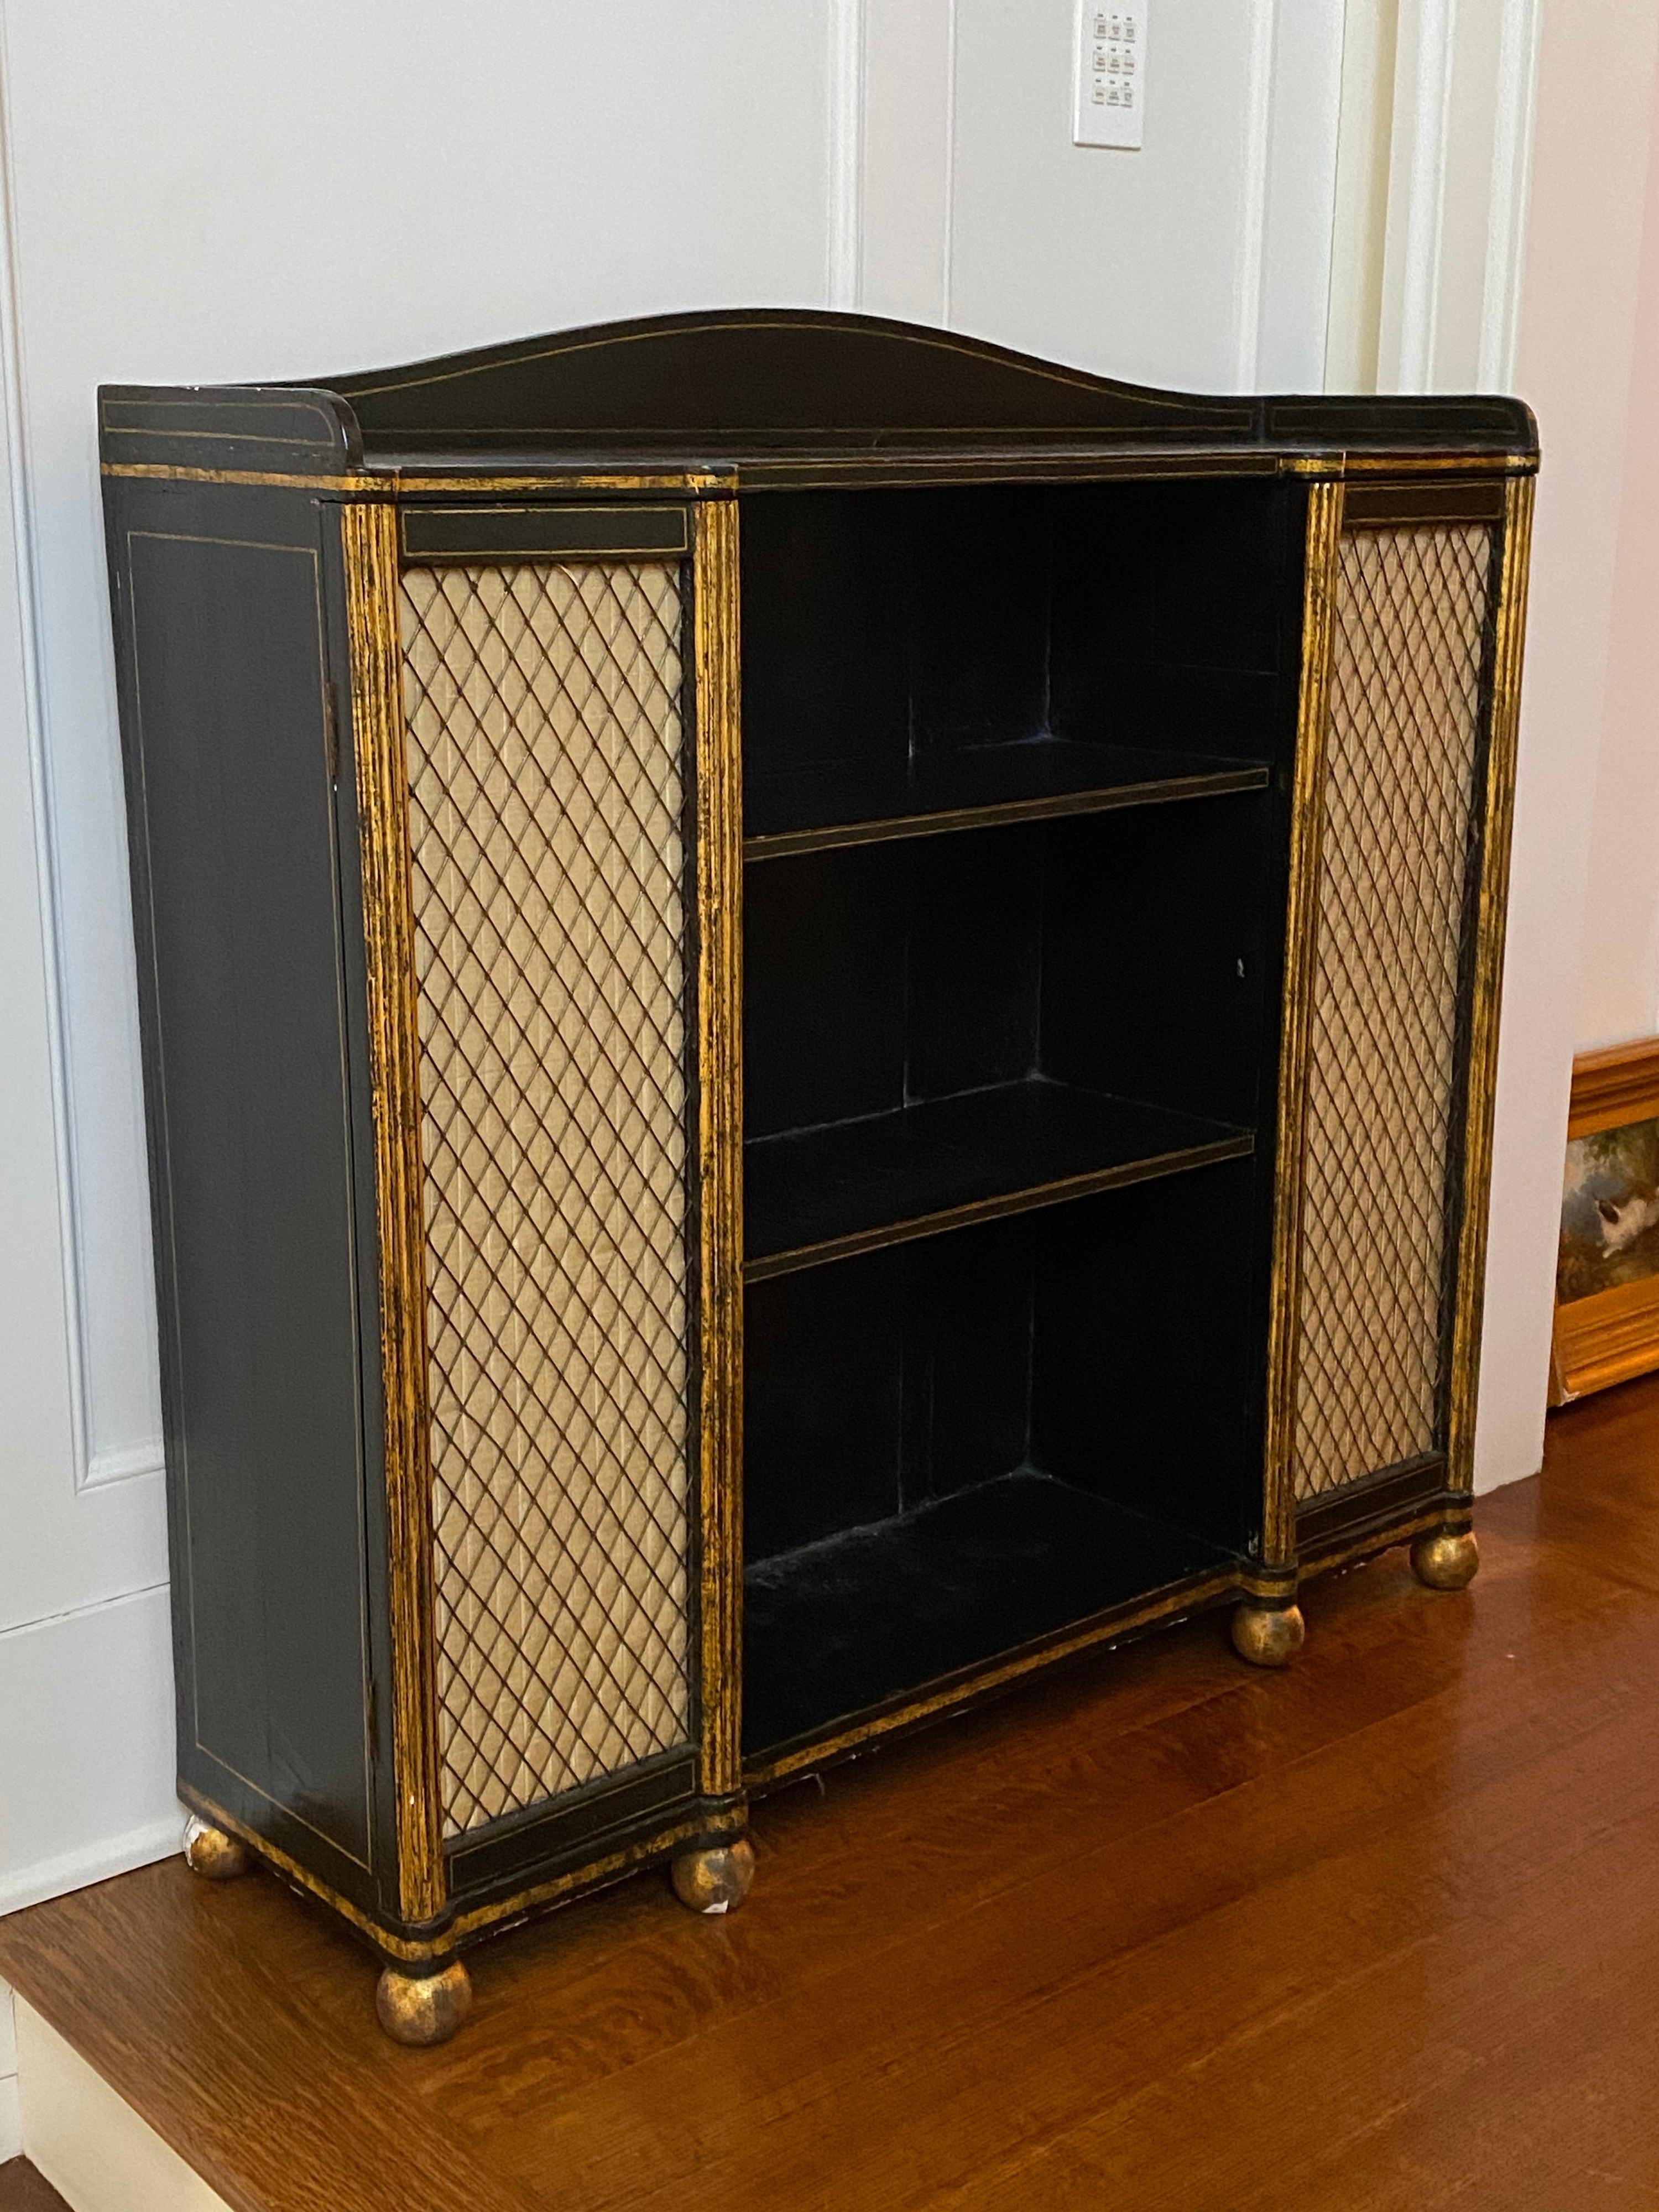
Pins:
x: 11, y: 2125
x: 86, y: 1748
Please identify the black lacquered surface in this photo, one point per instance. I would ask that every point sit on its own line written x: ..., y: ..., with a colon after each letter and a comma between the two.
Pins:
x: 813, y: 1193
x: 237, y: 912
x: 979, y: 593
x: 860, y: 802
x: 840, y: 1625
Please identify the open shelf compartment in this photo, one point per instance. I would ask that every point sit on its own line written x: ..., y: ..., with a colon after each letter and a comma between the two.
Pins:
x: 1008, y: 1091
x: 969, y: 1442
x: 923, y: 661
x: 818, y: 1194
x: 941, y: 1030
x: 860, y: 803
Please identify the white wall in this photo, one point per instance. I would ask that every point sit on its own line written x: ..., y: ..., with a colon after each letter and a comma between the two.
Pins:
x: 1619, y: 969
x: 1432, y: 184
x: 1491, y: 231
x: 1575, y: 362
x: 197, y: 193
x: 281, y: 192
x: 1203, y: 261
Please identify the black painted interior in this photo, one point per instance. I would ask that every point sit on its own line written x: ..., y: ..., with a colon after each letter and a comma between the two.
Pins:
x: 934, y: 1021
x: 891, y: 636
x: 962, y: 1437
x: 958, y: 1443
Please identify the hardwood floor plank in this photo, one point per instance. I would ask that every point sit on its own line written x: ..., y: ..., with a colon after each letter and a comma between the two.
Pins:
x: 840, y: 1879
x: 1383, y: 2054
x: 1380, y: 1932
x: 880, y: 1891
x: 1100, y: 2008
x: 23, y: 2189
x: 233, y: 2049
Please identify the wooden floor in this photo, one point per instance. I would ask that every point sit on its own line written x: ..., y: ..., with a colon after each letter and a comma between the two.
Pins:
x: 1382, y: 1932
x: 21, y: 2190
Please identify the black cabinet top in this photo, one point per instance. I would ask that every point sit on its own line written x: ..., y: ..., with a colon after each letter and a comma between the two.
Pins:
x: 766, y: 394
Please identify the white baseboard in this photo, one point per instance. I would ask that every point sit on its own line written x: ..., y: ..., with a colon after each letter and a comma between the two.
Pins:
x: 1487, y: 1480
x: 99, y: 1862
x: 87, y: 2141
x: 86, y: 1747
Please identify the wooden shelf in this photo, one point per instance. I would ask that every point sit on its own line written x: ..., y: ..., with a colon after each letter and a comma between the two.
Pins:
x: 813, y: 1195
x: 810, y: 810
x: 841, y: 1625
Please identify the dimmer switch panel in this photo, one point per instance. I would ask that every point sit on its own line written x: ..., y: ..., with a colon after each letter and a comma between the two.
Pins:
x: 1111, y: 74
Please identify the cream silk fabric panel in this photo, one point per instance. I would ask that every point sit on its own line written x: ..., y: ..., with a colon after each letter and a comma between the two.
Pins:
x: 545, y: 828
x: 1400, y: 770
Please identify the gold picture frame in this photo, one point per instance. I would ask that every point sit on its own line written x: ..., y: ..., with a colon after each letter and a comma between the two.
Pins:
x: 1609, y: 1333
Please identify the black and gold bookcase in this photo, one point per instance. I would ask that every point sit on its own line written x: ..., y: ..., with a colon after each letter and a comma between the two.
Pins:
x: 819, y: 1009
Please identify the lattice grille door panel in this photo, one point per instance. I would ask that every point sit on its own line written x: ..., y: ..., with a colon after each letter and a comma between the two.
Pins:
x: 545, y: 790
x: 1402, y: 762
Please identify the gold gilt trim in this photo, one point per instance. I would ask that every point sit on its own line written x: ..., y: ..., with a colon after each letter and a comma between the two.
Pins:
x: 1030, y: 1199
x: 554, y: 478
x: 1508, y: 642
x: 167, y: 472
x: 1107, y: 799
x: 1445, y: 465
x: 302, y: 1877
x: 1324, y: 533
x: 1617, y: 1084
x: 369, y: 541
x: 380, y: 484
x: 592, y: 1874
x: 1383, y: 1538
x: 1185, y: 1597
x: 719, y: 1059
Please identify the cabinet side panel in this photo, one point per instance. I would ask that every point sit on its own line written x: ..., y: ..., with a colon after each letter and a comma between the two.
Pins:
x: 1399, y: 858
x: 1492, y: 914
x: 547, y: 798
x: 236, y: 900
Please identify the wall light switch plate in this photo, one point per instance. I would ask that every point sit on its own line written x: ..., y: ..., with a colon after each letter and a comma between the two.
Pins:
x: 1110, y: 101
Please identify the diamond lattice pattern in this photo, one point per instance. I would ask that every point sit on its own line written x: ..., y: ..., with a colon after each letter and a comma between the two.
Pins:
x: 1400, y: 774
x: 545, y: 790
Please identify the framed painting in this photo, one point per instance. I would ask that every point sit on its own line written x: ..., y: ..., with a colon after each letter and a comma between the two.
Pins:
x: 1606, y: 1281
